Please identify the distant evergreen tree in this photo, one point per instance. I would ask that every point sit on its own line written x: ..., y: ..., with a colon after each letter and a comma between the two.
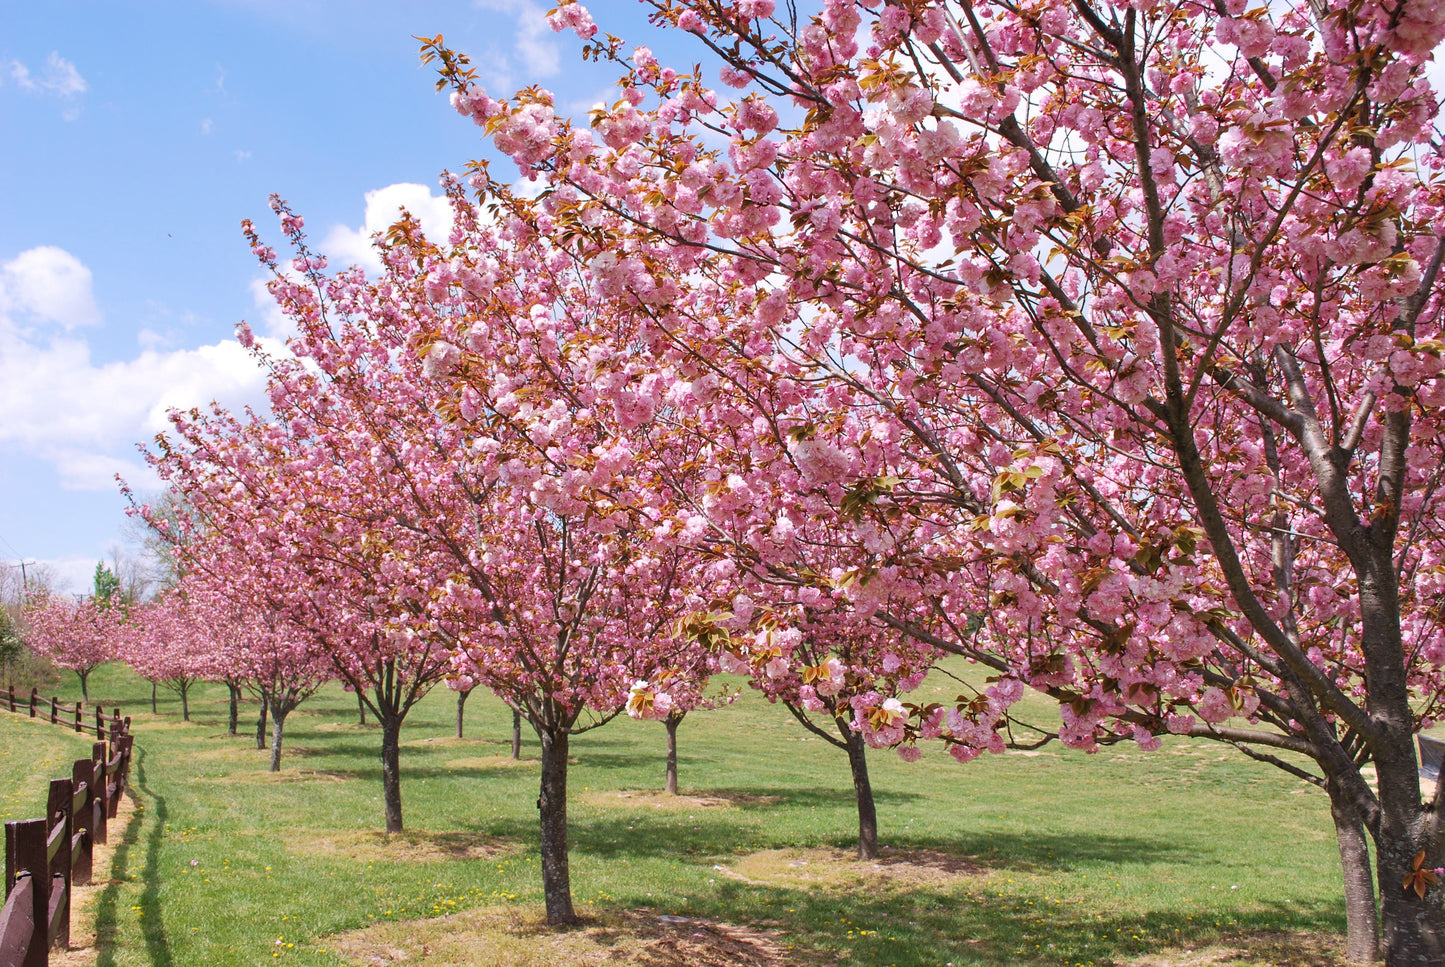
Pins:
x: 107, y: 586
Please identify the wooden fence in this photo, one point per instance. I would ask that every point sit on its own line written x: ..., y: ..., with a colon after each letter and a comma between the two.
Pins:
x: 45, y: 857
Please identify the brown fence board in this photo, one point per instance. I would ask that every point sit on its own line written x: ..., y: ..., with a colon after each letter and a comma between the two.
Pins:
x: 17, y: 923
x: 45, y: 858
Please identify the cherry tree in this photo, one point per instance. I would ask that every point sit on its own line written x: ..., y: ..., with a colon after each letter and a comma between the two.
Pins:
x: 500, y: 435
x: 279, y: 663
x: 838, y: 676
x: 670, y: 696
x: 165, y: 643
x: 1138, y: 308
x: 287, y: 514
x: 75, y: 635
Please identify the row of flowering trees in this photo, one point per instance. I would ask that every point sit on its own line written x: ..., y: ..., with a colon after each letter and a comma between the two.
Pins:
x: 1099, y: 344
x: 185, y: 634
x: 413, y: 538
x: 518, y: 532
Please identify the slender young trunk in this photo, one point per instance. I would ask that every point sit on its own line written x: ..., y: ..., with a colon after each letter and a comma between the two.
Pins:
x: 672, y: 722
x: 261, y: 721
x: 1362, y: 929
x: 516, y: 734
x: 278, y: 722
x: 863, y: 790
x: 552, y: 804
x: 85, y: 686
x: 153, y: 698
x: 235, y: 711
x: 185, y: 701
x: 360, y: 709
x: 461, y: 703
x: 391, y: 770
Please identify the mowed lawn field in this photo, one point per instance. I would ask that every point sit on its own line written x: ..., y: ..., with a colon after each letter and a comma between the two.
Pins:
x: 1189, y: 855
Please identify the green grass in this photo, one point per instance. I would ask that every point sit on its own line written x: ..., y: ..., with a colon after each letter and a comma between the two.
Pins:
x: 1079, y: 859
x: 32, y: 752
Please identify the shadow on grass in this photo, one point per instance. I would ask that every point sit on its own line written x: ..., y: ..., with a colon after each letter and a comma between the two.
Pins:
x: 153, y: 926
x: 973, y: 927
x: 722, y: 833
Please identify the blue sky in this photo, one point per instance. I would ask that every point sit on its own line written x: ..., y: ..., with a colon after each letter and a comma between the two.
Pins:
x: 138, y: 135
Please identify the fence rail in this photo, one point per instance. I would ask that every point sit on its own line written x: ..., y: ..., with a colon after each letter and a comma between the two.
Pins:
x: 60, y: 714
x: 45, y: 858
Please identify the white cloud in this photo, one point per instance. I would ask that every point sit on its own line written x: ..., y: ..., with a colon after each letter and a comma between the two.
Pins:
x: 207, y: 125
x: 48, y: 284
x: 537, y: 53
x: 148, y: 338
x: 68, y: 575
x: 273, y: 323
x: 345, y: 246
x: 58, y: 79
x: 83, y: 417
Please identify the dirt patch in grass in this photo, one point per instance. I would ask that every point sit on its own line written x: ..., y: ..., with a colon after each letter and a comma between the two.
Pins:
x: 507, y: 937
x: 466, y: 742
x: 281, y: 778
x: 82, y: 952
x: 348, y: 726
x: 680, y: 803
x: 1274, y: 949
x: 231, y: 752
x: 494, y: 762
x: 411, y: 846
x: 836, y: 869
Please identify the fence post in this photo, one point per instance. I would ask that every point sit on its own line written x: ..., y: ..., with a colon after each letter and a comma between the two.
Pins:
x: 119, y: 768
x: 99, y: 724
x: 82, y: 817
x: 54, y: 710
x: 112, y: 780
x: 127, y: 741
x: 34, y: 698
x: 99, y: 802
x: 25, y: 853
x: 11, y: 690
x: 77, y: 716
x: 62, y: 798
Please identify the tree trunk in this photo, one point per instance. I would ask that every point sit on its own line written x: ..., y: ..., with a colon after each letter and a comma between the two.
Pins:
x: 261, y: 722
x: 278, y: 722
x: 391, y: 770
x: 361, y: 708
x: 1362, y: 931
x: 516, y: 734
x: 1411, y: 925
x: 185, y: 701
x: 552, y: 804
x: 863, y: 790
x: 461, y: 703
x: 672, y: 722
x: 235, y: 711
x: 153, y: 698
x: 85, y: 686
